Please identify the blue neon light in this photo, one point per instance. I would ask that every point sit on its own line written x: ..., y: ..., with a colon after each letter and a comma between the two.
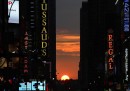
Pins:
x: 126, y: 15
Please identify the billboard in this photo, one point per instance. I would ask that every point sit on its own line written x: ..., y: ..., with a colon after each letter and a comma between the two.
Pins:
x: 13, y: 11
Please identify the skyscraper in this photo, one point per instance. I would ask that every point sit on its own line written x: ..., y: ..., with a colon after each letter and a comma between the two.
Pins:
x: 97, y: 19
x: 39, y: 17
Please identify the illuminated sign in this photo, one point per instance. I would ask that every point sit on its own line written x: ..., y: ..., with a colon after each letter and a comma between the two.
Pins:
x: 41, y: 85
x: 25, y: 87
x: 25, y: 58
x: 13, y: 11
x: 25, y: 65
x: 126, y: 63
x: 110, y: 51
x: 26, y: 40
x: 44, y: 34
x: 30, y: 86
x: 126, y: 15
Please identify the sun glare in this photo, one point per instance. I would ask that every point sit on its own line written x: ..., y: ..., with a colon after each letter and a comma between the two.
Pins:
x: 65, y: 77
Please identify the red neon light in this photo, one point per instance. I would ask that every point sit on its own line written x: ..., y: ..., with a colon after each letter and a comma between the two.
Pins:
x: 47, y: 88
x: 110, y: 51
x: 110, y: 37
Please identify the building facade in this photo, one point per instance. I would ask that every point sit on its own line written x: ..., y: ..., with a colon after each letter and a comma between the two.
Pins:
x: 30, y: 44
x: 101, y: 46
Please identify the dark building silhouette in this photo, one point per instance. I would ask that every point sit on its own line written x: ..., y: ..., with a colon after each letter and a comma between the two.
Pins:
x: 33, y: 18
x: 67, y: 85
x: 99, y: 20
x: 38, y: 19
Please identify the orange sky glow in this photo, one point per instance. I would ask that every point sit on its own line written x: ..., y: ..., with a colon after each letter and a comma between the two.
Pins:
x: 68, y: 38
x: 68, y: 47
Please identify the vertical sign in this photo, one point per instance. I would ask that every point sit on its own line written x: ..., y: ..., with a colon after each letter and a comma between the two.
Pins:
x: 25, y: 65
x: 26, y: 40
x: 126, y: 63
x: 110, y: 60
x: 25, y: 58
x: 44, y: 32
x: 126, y: 15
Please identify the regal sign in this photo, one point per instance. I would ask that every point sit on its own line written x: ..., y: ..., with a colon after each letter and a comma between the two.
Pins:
x: 110, y: 51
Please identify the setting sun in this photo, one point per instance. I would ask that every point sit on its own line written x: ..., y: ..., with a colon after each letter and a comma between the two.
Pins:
x: 65, y: 77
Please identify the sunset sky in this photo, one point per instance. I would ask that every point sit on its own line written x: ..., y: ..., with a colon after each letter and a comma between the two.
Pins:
x: 68, y: 37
